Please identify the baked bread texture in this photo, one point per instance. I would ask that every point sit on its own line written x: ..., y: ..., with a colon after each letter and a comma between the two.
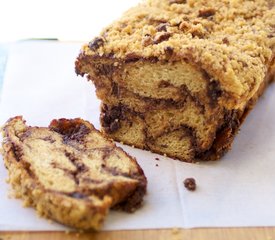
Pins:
x: 69, y: 172
x: 178, y: 77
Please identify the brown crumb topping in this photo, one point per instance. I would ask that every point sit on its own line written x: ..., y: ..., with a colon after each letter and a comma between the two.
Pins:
x: 177, y: 1
x: 162, y: 27
x: 160, y: 37
x: 205, y: 13
x: 96, y: 43
x: 217, y: 35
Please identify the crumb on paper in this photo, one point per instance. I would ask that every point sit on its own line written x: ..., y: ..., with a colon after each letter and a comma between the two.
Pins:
x: 157, y: 158
x: 157, y: 165
x: 190, y: 184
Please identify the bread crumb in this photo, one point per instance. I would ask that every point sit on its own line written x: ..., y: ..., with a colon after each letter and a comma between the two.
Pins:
x: 190, y: 184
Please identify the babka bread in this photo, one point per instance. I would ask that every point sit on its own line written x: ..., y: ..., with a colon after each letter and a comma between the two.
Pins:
x: 178, y: 77
x: 69, y: 172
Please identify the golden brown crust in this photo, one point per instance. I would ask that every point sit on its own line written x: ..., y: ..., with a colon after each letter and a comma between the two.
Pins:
x: 69, y: 172
x: 183, y: 72
x: 231, y: 40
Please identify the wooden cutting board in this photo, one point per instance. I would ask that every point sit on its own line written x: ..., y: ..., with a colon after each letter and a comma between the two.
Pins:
x: 262, y: 233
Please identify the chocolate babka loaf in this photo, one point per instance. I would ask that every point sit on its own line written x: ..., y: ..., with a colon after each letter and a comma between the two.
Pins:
x: 69, y: 172
x: 178, y: 77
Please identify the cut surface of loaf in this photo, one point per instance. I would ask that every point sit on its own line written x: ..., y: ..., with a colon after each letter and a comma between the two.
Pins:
x: 69, y: 172
x: 178, y: 77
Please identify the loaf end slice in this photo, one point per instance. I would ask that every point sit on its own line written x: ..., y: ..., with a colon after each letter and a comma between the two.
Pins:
x: 69, y: 172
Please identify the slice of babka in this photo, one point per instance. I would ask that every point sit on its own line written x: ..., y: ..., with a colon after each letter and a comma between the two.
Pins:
x: 69, y: 172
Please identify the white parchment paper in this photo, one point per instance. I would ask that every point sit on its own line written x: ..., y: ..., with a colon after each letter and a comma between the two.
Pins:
x: 239, y: 190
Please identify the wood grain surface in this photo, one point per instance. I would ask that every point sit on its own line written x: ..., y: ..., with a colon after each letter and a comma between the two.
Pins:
x: 263, y: 233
